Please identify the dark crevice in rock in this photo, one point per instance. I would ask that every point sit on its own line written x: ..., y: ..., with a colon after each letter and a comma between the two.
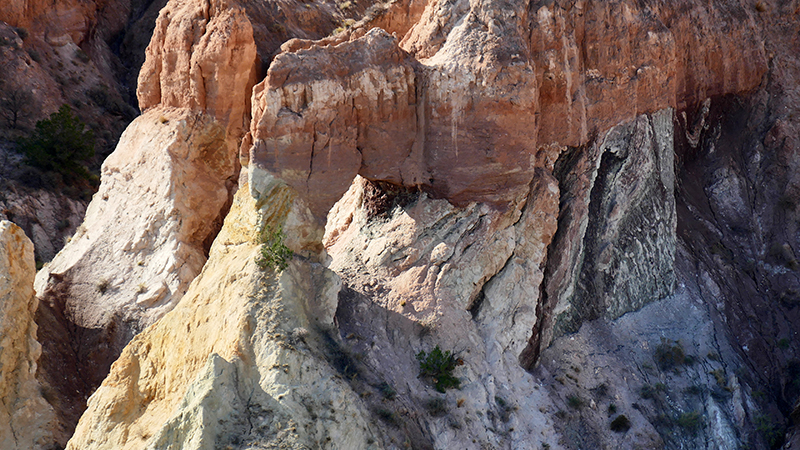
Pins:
x: 585, y: 303
x: 232, y: 185
x: 475, y: 306
x: 128, y: 45
x: 381, y: 197
x: 74, y: 359
x: 613, y: 251
x: 530, y: 355
x: 551, y: 288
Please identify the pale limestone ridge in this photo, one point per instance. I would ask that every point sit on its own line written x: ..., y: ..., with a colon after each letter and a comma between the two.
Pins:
x: 239, y: 360
x: 166, y: 188
x: 26, y: 419
x: 142, y: 241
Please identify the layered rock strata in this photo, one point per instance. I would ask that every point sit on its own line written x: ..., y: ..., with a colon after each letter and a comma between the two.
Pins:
x: 463, y: 137
x: 493, y: 104
x: 317, y: 130
x: 26, y: 419
x: 615, y: 246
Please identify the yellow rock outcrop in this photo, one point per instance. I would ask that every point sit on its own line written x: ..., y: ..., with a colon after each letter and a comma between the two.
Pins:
x: 25, y: 417
x: 238, y: 358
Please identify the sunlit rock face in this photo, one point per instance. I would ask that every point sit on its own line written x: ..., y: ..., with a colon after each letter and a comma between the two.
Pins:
x: 493, y: 179
x: 26, y: 419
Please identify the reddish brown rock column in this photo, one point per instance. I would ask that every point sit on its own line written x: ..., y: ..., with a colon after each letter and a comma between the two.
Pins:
x: 324, y: 114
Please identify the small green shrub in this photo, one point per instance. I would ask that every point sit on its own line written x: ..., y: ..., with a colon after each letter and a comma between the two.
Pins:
x: 340, y: 356
x: 771, y: 432
x: 387, y: 391
x: 274, y: 253
x: 621, y: 424
x: 21, y: 32
x: 612, y: 409
x: 81, y: 56
x: 437, y: 407
x: 34, y: 55
x: 574, y: 401
x: 388, y: 416
x: 691, y: 421
x: 693, y: 390
x: 651, y: 391
x: 719, y: 249
x: 719, y: 375
x: 437, y: 367
x: 276, y: 28
x: 784, y: 343
x: 504, y: 408
x: 669, y: 355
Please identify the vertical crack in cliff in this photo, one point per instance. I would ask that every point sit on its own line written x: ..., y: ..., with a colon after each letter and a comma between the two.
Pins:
x: 559, y: 255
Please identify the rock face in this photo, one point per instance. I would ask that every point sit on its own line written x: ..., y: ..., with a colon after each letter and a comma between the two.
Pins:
x: 252, y: 371
x: 159, y: 239
x: 165, y: 189
x: 476, y: 86
x: 26, y: 419
x: 317, y: 133
x: 163, y: 197
x: 145, y: 237
x: 515, y: 180
x: 615, y: 247
x: 211, y: 71
x: 49, y: 219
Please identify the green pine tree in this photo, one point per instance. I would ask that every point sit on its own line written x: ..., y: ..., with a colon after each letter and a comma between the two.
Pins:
x: 60, y: 144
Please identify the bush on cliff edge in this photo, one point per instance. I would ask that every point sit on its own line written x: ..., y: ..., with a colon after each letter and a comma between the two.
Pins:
x: 60, y: 144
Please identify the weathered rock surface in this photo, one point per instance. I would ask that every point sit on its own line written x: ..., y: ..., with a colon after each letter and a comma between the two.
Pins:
x: 48, y: 219
x: 419, y: 273
x: 145, y: 237
x: 615, y: 248
x: 517, y: 182
x: 202, y: 58
x: 241, y: 360
x: 667, y: 368
x: 501, y: 90
x: 317, y: 130
x: 26, y: 419
x: 146, y: 219
x: 165, y: 190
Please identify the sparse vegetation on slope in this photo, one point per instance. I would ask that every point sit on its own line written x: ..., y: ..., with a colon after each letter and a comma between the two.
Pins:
x: 437, y: 368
